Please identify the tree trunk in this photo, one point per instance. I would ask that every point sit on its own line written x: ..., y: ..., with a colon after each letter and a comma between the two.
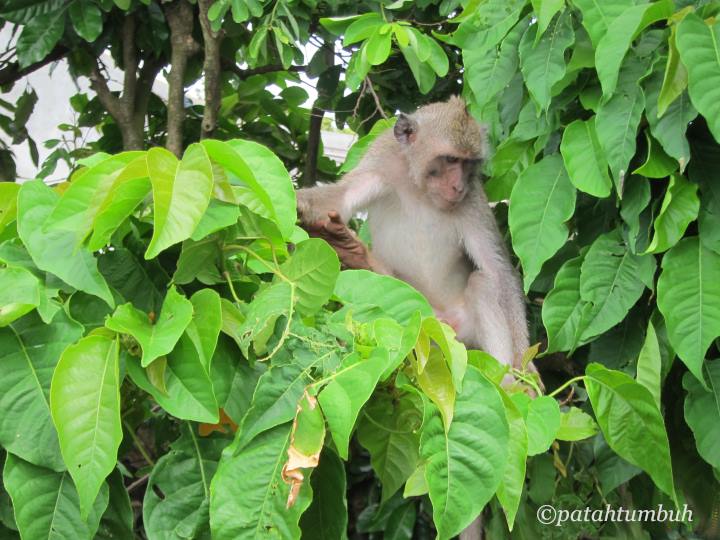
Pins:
x: 211, y: 68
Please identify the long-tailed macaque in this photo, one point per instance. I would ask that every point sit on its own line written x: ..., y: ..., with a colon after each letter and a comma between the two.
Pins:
x: 431, y: 224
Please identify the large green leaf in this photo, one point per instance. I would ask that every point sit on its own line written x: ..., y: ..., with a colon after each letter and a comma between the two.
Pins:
x: 54, y: 250
x: 85, y: 406
x: 118, y: 520
x: 675, y: 80
x: 510, y: 490
x: 543, y: 422
x: 466, y: 464
x: 542, y: 200
x: 155, y: 339
x: 489, y: 72
x: 679, y: 208
x: 276, y: 396
x: 181, y: 193
x: 20, y: 293
x: 369, y: 295
x: 543, y: 62
x: 563, y: 308
x: 702, y: 412
x: 616, y: 123
x: 612, y: 279
x: 87, y: 19
x: 8, y: 203
x: 46, y: 503
x: 143, y: 283
x: 688, y: 293
x: 649, y: 364
x: 274, y: 179
x: 346, y: 393
x: 697, y: 42
x: 29, y: 351
x: 631, y: 423
x: 177, y: 497
x: 597, y: 17
x: 575, y: 425
x: 614, y: 44
x: 250, y: 502
x: 545, y: 10
x: 267, y: 307
x: 313, y: 269
x: 327, y: 516
x: 186, y: 389
x: 670, y: 127
x: 39, y: 37
x: 206, y: 323
x: 388, y: 429
x: 584, y: 158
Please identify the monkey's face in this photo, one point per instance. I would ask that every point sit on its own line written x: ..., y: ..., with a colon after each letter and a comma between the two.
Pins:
x: 447, y: 179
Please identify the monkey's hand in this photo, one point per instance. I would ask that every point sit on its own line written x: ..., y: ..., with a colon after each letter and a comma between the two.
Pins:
x: 352, y: 252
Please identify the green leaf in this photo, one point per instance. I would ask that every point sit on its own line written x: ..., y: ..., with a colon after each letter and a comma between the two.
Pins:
x: 182, y: 477
x: 613, y: 46
x: 562, y: 309
x: 543, y: 421
x: 85, y: 406
x: 669, y: 128
x: 612, y: 279
x: 313, y: 270
x: 181, y: 193
x: 543, y: 63
x: 155, y: 339
x: 358, y: 149
x: 274, y: 180
x: 424, y: 75
x: 697, y: 42
x: 688, y: 293
x: 140, y: 282
x: 435, y: 380
x: 398, y: 340
x: 91, y: 189
x: 327, y: 516
x: 188, y: 392
x: 510, y: 490
x: 584, y: 158
x: 649, y: 364
x: 8, y: 203
x: 631, y: 423
x: 204, y: 328
x: 346, y: 393
x: 388, y: 429
x: 199, y: 260
x: 250, y: 503
x: 362, y: 28
x: 20, y: 293
x: 377, y: 47
x: 465, y: 465
x: 597, y: 17
x: 55, y: 250
x: 46, y: 503
x: 453, y: 351
x: 542, y: 200
x: 675, y: 80
x: 87, y: 19
x: 575, y: 425
x: 616, y: 124
x: 219, y: 215
x: 267, y: 307
x: 29, y: 351
x: 438, y: 60
x: 657, y: 164
x: 368, y: 295
x: 39, y: 37
x: 702, y: 412
x: 679, y: 208
x: 545, y: 10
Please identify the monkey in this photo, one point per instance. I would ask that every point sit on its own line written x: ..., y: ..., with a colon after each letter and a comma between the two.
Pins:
x: 431, y: 224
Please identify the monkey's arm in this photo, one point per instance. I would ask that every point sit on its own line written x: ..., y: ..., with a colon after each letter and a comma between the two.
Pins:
x: 353, y: 254
x: 494, y: 294
x: 354, y: 192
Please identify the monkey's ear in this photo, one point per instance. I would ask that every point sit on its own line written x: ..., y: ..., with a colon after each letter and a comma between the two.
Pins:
x: 405, y: 129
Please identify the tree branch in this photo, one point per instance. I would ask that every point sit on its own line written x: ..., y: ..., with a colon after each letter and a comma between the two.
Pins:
x: 179, y: 15
x: 130, y: 61
x: 315, y: 132
x: 211, y: 68
x: 107, y: 98
x: 13, y: 72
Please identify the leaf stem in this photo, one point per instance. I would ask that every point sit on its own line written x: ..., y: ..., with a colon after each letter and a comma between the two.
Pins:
x: 138, y: 444
x: 566, y: 384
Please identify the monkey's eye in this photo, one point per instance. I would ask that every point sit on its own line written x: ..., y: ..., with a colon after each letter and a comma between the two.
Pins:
x: 451, y: 159
x: 433, y: 172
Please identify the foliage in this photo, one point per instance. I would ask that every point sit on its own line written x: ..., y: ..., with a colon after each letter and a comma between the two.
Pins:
x: 163, y: 319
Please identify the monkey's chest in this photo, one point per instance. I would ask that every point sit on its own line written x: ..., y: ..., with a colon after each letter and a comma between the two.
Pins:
x: 422, y: 247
